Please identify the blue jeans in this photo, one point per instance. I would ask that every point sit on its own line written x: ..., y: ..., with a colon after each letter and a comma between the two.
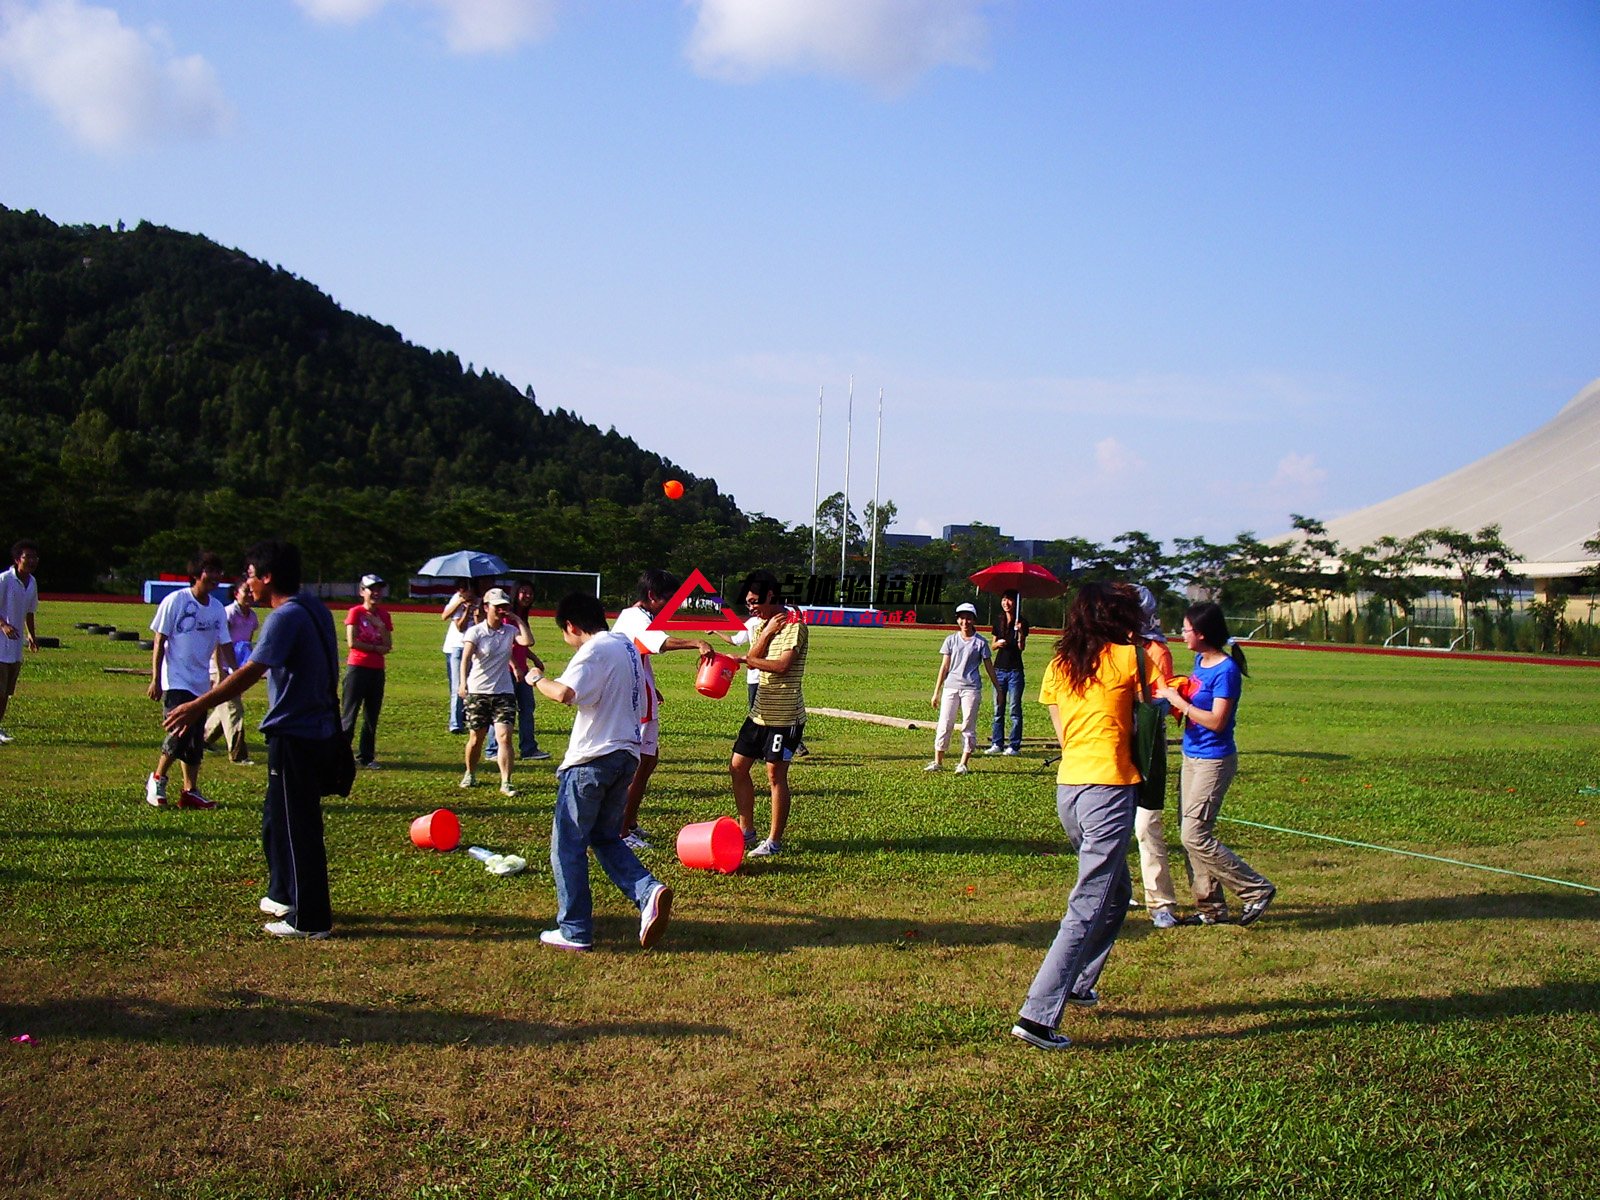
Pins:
x: 526, y: 743
x: 1099, y: 821
x: 590, y: 798
x: 458, y: 716
x: 1009, y: 684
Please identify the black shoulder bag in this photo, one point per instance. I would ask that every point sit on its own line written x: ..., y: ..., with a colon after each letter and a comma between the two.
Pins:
x: 339, y: 758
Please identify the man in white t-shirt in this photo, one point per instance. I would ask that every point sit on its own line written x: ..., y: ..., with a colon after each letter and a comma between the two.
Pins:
x: 606, y: 682
x: 19, y: 600
x: 191, y: 627
x: 656, y: 588
x: 485, y: 683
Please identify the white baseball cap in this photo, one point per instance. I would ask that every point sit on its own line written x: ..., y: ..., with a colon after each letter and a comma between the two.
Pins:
x: 970, y: 609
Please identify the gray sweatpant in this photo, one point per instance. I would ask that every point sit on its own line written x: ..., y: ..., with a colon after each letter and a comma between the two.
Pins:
x: 1099, y: 821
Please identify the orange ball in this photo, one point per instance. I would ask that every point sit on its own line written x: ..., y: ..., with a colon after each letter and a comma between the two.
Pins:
x: 673, y: 489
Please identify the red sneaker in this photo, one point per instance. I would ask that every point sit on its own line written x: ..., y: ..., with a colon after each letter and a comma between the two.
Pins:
x: 193, y: 799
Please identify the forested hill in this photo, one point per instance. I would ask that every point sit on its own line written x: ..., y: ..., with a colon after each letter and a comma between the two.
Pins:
x: 158, y: 390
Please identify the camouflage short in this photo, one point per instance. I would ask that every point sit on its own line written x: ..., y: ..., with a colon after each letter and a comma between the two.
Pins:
x: 498, y: 708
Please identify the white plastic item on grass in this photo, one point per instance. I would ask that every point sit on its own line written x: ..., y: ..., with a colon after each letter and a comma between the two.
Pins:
x: 498, y: 864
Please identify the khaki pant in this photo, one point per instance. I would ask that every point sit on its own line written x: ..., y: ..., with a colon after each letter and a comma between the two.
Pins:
x: 228, y: 721
x: 1202, y: 786
x: 1157, y: 875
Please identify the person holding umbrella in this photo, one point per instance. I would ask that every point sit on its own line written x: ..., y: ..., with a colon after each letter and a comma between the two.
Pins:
x: 1010, y: 638
x: 474, y: 572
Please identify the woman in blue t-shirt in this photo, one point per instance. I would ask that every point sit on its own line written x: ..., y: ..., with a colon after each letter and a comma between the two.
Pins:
x: 1210, y: 760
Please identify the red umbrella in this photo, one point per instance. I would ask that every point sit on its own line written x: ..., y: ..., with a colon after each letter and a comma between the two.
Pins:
x: 1028, y: 579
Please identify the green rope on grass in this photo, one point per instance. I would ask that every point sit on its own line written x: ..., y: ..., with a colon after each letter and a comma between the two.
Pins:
x: 1454, y: 862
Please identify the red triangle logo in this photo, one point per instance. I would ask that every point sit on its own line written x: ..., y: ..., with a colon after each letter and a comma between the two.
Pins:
x: 696, y: 580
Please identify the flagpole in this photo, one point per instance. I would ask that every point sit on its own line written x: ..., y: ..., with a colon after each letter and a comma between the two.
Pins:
x: 877, y: 475
x: 844, y: 518
x: 816, y: 483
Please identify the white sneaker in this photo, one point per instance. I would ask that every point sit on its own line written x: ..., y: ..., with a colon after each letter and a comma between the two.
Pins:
x: 5, y: 738
x: 507, y: 790
x: 962, y: 769
x: 635, y: 841
x: 554, y: 937
x: 468, y: 780
x: 282, y: 929
x: 653, y: 915
x: 1009, y: 752
x: 992, y: 750
x: 272, y: 908
x: 155, y: 791
x: 933, y: 766
x: 766, y: 849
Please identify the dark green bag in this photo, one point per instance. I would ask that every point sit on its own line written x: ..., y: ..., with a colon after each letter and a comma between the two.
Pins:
x: 1149, y: 739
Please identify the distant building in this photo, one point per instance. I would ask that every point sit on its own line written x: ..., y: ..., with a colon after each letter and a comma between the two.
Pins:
x: 910, y: 541
x: 1025, y: 549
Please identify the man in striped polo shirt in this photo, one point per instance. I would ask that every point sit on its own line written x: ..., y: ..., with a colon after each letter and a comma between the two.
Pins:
x: 777, y: 720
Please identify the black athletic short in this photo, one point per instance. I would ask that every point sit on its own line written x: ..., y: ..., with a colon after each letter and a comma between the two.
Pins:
x: 770, y: 743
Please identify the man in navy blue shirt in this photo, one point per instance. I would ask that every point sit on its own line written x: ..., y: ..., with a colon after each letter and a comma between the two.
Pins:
x: 298, y: 654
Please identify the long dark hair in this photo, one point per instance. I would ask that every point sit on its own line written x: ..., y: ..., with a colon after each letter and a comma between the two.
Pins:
x: 1100, y: 616
x: 1207, y: 620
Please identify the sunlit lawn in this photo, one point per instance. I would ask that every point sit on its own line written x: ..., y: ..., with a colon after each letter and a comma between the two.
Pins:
x: 833, y: 1021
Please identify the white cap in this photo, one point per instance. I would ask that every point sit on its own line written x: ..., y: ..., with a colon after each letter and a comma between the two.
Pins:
x: 497, y: 596
x: 969, y: 609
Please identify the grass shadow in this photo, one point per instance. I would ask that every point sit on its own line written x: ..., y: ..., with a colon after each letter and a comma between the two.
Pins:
x: 1275, y: 1017
x: 987, y: 847
x: 128, y: 834
x: 1516, y: 906
x: 245, y: 1018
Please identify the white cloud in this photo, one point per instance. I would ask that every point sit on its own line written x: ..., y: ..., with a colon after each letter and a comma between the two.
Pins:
x: 112, y: 87
x: 887, y: 43
x: 1298, y: 474
x: 1115, y: 460
x: 470, y: 26
x: 340, y: 12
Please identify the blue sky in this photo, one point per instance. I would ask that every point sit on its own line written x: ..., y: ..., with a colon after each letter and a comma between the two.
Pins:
x: 1180, y: 267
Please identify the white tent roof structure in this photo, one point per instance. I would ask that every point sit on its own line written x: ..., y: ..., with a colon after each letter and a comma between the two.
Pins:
x: 1543, y: 491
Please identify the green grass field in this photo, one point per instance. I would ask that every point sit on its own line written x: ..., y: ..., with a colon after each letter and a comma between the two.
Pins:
x: 831, y: 1022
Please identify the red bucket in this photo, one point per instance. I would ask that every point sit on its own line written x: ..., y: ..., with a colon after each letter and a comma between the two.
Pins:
x: 438, y: 830
x: 712, y: 845
x: 716, y: 673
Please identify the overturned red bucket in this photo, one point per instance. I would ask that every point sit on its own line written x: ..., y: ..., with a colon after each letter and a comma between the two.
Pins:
x: 438, y: 830
x: 712, y: 845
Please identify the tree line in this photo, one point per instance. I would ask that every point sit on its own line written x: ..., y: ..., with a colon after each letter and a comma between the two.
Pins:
x: 160, y: 392
x: 157, y: 389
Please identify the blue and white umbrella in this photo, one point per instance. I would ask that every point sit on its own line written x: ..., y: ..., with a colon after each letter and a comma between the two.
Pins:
x: 464, y: 564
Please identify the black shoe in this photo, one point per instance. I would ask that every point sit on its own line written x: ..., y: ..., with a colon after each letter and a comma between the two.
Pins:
x: 1252, y: 911
x: 1039, y: 1035
x: 1201, y: 918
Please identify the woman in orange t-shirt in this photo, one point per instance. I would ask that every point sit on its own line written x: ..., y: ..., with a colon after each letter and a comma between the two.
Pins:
x: 1089, y: 688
